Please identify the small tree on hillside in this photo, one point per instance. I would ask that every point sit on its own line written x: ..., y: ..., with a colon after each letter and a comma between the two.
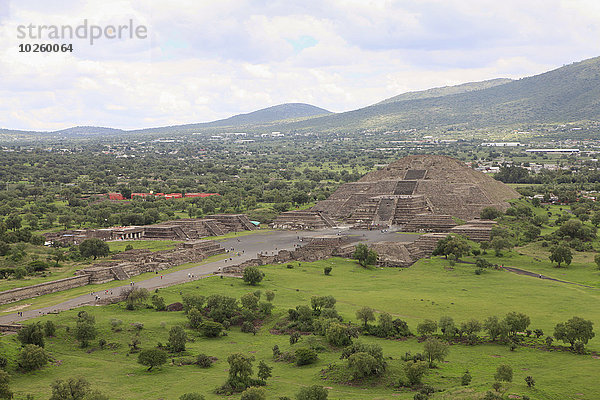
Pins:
x: 365, y: 314
x: 253, y: 276
x: 152, y: 358
x: 32, y: 357
x: 94, y: 247
x: 5, y: 392
x: 426, y: 327
x: 71, y: 389
x: 85, y: 328
x: 490, y: 213
x: 31, y: 334
x: 454, y: 246
x: 504, y: 373
x: 435, y: 350
x: 177, y: 339
x: 561, y: 254
x: 364, y: 255
x: 575, y: 330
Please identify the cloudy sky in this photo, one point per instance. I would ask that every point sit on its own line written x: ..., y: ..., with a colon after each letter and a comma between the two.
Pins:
x: 203, y: 60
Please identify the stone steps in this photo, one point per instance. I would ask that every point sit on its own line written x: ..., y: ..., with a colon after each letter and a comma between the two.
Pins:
x: 119, y: 273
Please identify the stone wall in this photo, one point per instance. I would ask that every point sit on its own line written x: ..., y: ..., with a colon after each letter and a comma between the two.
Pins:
x: 12, y: 295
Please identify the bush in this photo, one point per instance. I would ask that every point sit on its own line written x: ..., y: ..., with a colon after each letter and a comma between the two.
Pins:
x: 362, y: 365
x: 5, y: 392
x: 248, y: 327
x: 177, y: 339
x: 203, y: 361
x: 253, y: 276
x: 254, y: 393
x: 32, y: 357
x: 314, y: 392
x: 211, y: 329
x: 305, y: 356
x: 504, y: 373
x: 192, y: 301
x: 327, y: 270
x: 31, y: 334
x: 414, y: 372
x: 466, y: 379
x: 530, y: 381
x: 270, y: 295
x: 49, y: 329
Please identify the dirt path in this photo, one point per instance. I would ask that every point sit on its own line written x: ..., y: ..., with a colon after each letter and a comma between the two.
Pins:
x: 540, y: 276
x: 247, y: 246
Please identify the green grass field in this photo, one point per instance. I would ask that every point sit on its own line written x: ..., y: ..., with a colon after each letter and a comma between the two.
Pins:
x: 429, y: 289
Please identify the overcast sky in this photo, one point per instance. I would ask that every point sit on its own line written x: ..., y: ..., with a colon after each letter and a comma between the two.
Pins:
x: 204, y: 60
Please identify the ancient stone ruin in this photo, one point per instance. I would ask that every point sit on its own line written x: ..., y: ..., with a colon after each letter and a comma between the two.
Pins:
x: 122, y: 267
x: 180, y: 229
x: 421, y: 192
x: 302, y: 220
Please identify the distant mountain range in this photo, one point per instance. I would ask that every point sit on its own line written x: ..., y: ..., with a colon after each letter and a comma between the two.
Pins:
x: 567, y: 94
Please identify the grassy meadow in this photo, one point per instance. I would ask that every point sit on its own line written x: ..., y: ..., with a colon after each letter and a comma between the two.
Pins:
x: 429, y: 289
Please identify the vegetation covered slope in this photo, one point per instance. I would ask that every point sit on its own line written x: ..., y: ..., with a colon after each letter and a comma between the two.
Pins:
x: 447, y: 90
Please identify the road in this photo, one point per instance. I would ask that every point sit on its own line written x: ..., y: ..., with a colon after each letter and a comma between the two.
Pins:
x: 248, y: 246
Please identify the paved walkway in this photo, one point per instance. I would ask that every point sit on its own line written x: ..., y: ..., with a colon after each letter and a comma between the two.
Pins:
x: 248, y: 246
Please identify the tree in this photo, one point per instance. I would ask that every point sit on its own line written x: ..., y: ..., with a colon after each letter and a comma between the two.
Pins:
x: 49, y: 329
x: 364, y: 255
x: 435, y: 350
x: 414, y: 372
x: 71, y: 389
x: 516, y: 322
x: 264, y: 371
x: 137, y: 297
x: 159, y: 303
x: 85, y: 328
x: 338, y: 334
x: 240, y: 371
x: 31, y: 334
x: 574, y: 330
x: 195, y: 318
x: 254, y: 393
x: 249, y: 301
x: 365, y: 314
x: 495, y: 328
x: 560, y: 254
x: 426, y: 327
x: 177, y: 339
x: 499, y: 243
x: 152, y: 358
x: 470, y: 327
x: 94, y: 247
x: 253, y: 276
x: 4, y: 248
x: 447, y: 326
x: 314, y: 392
x: 362, y: 365
x: 597, y: 260
x: 490, y: 213
x: 504, y: 373
x: 32, y: 357
x: 454, y: 246
x: 5, y: 392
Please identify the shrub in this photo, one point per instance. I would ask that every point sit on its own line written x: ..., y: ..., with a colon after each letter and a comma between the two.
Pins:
x: 211, y: 329
x: 49, y: 328
x: 327, y: 270
x: 203, y: 361
x: 248, y: 327
x: 253, y: 276
x: 32, y: 357
x: 427, y: 327
x: 5, y: 392
x: 31, y: 334
x: 177, y: 339
x: 314, y: 392
x: 254, y: 393
x: 530, y: 381
x: 504, y: 373
x: 414, y: 372
x: 192, y: 301
x: 305, y: 356
x: 159, y: 303
x: 466, y: 379
x: 362, y: 365
x: 270, y: 295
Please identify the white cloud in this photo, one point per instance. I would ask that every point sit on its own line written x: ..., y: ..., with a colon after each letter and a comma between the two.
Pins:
x: 205, y: 60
